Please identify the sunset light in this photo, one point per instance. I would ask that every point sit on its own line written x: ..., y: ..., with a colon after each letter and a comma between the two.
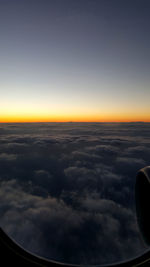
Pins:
x: 73, y: 65
x: 74, y: 130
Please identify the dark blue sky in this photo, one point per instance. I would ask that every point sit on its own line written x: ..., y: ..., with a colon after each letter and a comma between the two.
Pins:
x: 75, y: 57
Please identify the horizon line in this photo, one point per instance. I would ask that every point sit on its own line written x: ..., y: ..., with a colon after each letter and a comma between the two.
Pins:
x: 21, y: 122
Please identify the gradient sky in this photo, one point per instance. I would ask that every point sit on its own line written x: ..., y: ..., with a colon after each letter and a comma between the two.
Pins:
x: 74, y: 60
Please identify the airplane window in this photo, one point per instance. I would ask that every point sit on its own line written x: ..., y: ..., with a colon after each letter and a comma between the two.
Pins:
x: 74, y: 126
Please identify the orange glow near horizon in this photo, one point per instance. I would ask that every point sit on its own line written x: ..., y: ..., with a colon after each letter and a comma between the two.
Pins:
x: 74, y: 118
x: 74, y: 68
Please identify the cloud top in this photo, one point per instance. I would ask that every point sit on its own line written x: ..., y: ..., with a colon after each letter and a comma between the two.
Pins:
x: 67, y: 191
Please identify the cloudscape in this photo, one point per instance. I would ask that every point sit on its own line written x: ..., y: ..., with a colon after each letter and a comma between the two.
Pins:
x: 67, y: 189
x: 74, y: 126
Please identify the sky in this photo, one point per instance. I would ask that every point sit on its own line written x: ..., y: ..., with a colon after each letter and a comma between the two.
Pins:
x: 74, y: 60
x: 67, y: 190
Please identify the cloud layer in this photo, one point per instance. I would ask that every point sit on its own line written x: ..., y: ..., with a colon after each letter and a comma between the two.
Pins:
x: 67, y: 190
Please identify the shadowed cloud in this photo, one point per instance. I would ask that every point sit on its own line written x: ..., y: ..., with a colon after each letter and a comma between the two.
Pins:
x: 67, y: 191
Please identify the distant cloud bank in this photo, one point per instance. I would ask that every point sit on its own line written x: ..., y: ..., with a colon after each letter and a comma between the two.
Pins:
x: 67, y: 190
